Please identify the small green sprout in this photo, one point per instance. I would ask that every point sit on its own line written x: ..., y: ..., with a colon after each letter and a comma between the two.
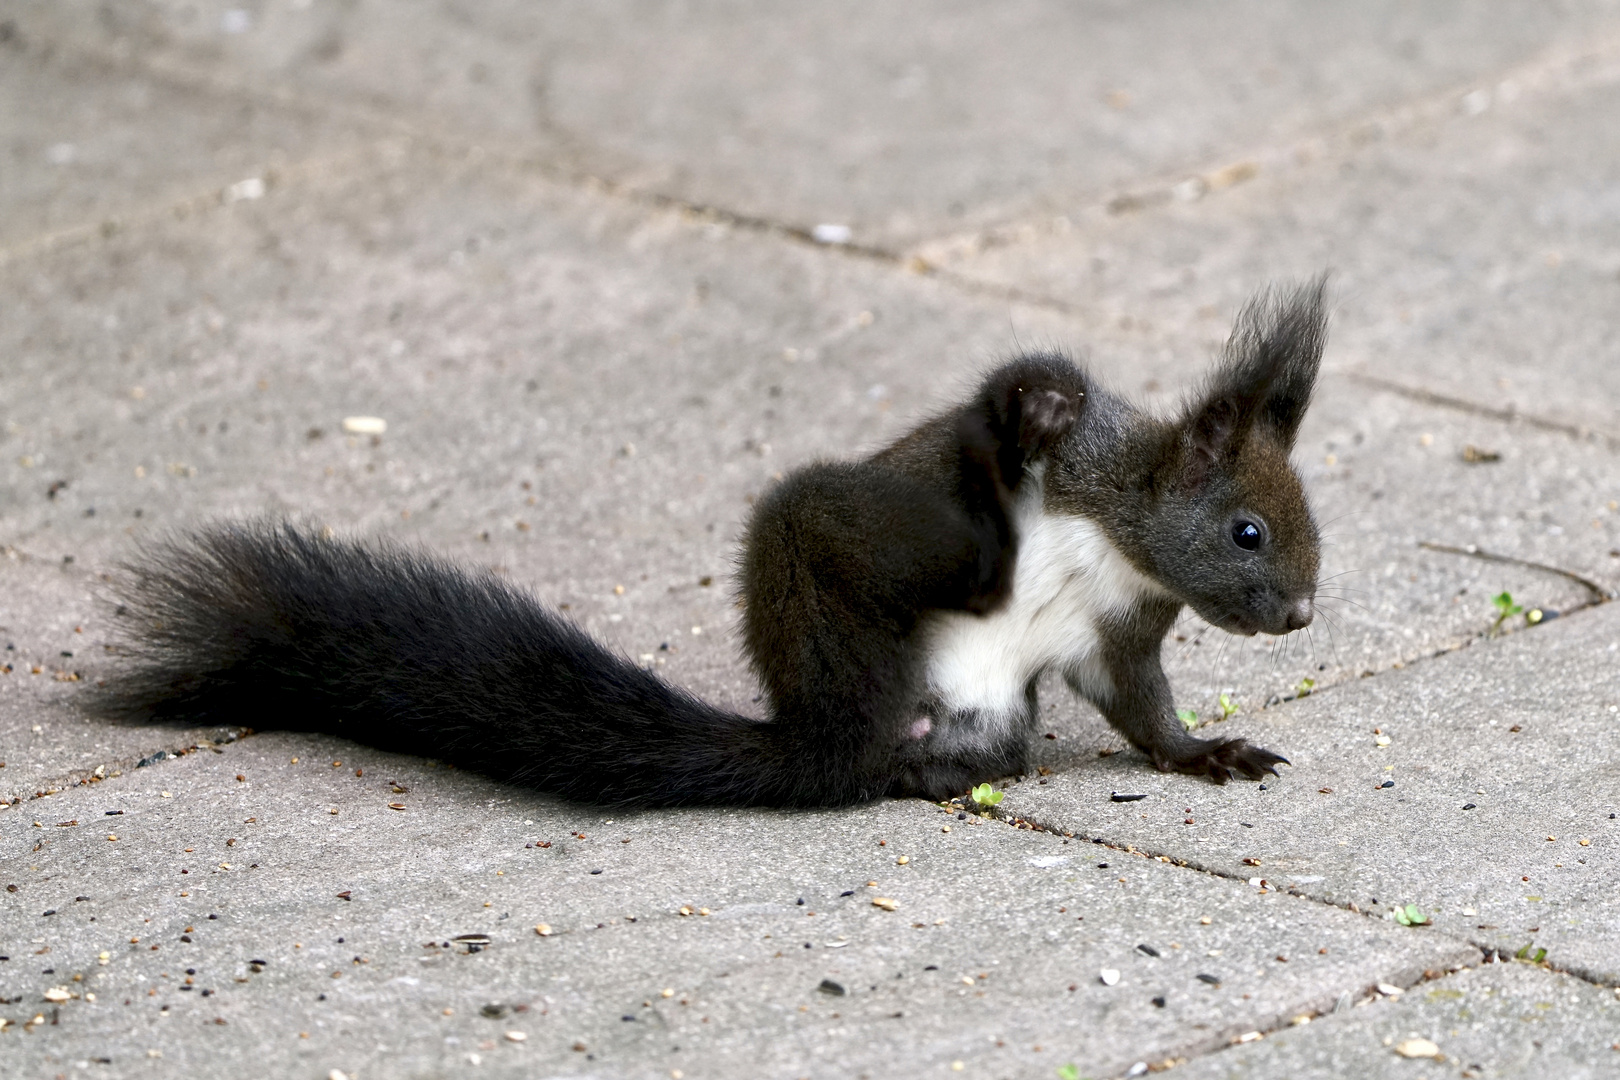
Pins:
x: 1068, y: 1072
x: 1410, y: 915
x: 1533, y: 957
x: 1188, y: 718
x: 1305, y: 687
x: 986, y: 797
x: 1505, y: 609
x: 1228, y: 706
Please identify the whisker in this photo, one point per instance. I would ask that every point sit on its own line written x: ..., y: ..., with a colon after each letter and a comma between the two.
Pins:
x: 1332, y: 625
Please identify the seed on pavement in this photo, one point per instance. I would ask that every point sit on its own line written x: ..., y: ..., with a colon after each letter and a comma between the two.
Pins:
x: 885, y: 903
x: 1417, y: 1048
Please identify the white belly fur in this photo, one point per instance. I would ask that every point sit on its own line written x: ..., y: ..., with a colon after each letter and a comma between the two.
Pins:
x: 1067, y: 580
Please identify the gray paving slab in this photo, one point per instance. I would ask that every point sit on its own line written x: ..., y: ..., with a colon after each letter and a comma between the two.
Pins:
x: 1497, y: 1021
x: 586, y: 391
x: 1496, y: 820
x: 992, y: 956
x: 600, y: 394
x: 51, y: 629
x: 850, y: 114
x: 87, y: 142
x: 1474, y: 246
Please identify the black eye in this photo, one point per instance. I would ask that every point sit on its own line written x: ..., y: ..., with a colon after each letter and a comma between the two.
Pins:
x: 1246, y: 535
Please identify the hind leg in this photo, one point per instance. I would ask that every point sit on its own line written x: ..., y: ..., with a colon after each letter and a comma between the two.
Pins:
x: 943, y: 761
x: 840, y: 563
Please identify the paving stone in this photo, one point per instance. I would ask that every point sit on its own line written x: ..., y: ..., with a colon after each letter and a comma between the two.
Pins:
x: 50, y: 631
x: 585, y: 390
x: 848, y: 113
x: 1500, y: 1020
x: 80, y: 151
x: 358, y: 939
x: 1474, y: 254
x: 1496, y: 819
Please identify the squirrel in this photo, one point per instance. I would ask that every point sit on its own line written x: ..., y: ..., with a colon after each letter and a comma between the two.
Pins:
x: 898, y: 610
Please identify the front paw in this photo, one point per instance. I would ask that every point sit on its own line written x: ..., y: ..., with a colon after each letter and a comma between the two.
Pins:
x: 1225, y: 759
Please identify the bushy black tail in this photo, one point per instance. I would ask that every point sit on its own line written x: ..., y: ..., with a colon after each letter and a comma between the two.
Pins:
x: 272, y: 626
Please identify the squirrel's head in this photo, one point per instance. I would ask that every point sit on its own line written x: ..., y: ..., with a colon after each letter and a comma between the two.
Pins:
x: 1227, y: 528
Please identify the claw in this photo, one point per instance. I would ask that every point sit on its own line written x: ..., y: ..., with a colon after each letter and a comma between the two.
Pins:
x: 1231, y: 759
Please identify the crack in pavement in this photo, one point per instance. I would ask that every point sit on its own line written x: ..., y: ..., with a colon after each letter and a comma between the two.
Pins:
x: 1600, y: 595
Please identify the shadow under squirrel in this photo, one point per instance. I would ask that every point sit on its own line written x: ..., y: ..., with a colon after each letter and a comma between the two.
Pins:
x: 898, y: 610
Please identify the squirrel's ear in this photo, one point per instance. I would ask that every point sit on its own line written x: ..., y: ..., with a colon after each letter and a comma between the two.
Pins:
x: 1275, y: 352
x: 1264, y: 381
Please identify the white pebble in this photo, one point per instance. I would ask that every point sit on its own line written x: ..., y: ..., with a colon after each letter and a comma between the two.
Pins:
x: 1109, y: 976
x: 1417, y: 1048
x: 251, y: 188
x: 364, y: 425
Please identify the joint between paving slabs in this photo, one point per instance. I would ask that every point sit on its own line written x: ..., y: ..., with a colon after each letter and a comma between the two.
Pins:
x: 1508, y: 415
x: 1562, y: 71
x: 120, y: 766
x: 1599, y: 596
x: 1441, y: 105
x: 1489, y: 952
x: 1370, y: 997
x: 430, y: 138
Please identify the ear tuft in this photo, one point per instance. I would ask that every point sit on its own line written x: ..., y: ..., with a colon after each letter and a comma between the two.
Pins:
x: 1274, y: 354
x: 1265, y: 379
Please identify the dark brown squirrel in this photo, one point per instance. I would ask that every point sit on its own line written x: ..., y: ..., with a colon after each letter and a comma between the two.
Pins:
x: 899, y: 610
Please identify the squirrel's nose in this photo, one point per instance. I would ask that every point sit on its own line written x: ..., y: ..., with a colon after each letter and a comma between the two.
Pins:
x: 1301, y: 614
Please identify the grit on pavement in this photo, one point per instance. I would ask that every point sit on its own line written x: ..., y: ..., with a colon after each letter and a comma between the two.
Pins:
x: 607, y: 270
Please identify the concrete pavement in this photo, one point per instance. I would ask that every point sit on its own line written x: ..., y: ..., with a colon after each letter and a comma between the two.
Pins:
x: 570, y: 257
